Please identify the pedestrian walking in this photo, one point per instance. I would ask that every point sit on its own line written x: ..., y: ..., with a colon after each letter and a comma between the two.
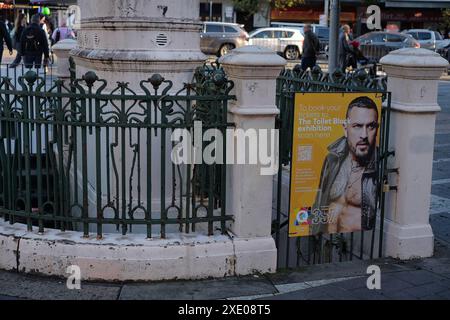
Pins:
x: 311, y: 48
x: 19, y: 25
x: 34, y: 44
x: 9, y: 25
x: 61, y: 33
x: 344, y: 50
x: 4, y: 38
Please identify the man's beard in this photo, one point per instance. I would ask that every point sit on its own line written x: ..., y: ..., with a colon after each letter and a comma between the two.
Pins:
x: 362, y: 158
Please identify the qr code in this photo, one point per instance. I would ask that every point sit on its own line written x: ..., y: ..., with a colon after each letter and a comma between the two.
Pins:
x: 304, y: 153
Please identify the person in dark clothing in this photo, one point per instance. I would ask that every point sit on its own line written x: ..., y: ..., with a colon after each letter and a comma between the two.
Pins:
x: 34, y: 44
x: 344, y: 49
x: 5, y: 38
x: 20, y: 25
x: 311, y: 48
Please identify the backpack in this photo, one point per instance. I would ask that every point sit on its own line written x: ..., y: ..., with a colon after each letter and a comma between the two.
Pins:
x: 32, y: 41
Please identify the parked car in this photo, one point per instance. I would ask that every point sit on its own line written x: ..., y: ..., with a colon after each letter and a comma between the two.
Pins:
x: 428, y: 39
x: 322, y: 32
x: 445, y: 52
x: 285, y: 41
x: 375, y: 45
x: 219, y: 38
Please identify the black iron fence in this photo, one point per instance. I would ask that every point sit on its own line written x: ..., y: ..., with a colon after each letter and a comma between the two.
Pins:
x: 14, y: 72
x: 323, y: 248
x: 94, y: 157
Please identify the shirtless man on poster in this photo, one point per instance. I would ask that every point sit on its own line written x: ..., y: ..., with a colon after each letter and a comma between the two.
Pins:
x: 347, y: 193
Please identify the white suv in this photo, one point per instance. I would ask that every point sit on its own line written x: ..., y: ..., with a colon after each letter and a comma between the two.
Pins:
x: 287, y: 41
x: 428, y: 39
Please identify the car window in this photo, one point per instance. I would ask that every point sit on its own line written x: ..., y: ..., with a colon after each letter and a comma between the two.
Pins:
x: 437, y: 35
x: 394, y: 38
x: 424, y: 35
x: 413, y: 34
x: 282, y: 34
x: 288, y: 34
x: 378, y: 37
x: 214, y: 28
x: 229, y: 29
x: 263, y: 35
x: 322, y: 32
x: 278, y: 34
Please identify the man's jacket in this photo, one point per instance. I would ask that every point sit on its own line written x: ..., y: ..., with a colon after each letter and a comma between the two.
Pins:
x: 34, y: 41
x: 311, y: 45
x: 338, y: 152
x: 344, y: 50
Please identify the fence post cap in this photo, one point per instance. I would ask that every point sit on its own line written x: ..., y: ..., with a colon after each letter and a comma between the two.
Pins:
x: 253, y: 56
x: 66, y: 44
x: 414, y: 57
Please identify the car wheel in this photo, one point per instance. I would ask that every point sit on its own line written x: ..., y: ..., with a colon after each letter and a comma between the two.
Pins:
x: 291, y: 53
x: 225, y: 49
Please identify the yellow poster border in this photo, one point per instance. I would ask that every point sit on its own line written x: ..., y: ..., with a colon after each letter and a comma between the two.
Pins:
x: 378, y: 94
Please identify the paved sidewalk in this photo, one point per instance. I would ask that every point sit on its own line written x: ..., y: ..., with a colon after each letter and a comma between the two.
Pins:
x: 416, y: 279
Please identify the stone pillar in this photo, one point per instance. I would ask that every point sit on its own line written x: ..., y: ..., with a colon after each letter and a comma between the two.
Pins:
x: 249, y: 193
x: 62, y: 52
x: 129, y: 40
x: 413, y: 76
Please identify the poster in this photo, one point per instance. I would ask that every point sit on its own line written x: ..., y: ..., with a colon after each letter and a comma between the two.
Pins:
x: 334, y: 169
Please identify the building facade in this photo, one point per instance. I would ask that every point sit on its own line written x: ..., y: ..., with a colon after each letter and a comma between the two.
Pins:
x: 224, y: 11
x: 399, y: 14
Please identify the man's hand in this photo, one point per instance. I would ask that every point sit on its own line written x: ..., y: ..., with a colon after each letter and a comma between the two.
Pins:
x: 10, y: 52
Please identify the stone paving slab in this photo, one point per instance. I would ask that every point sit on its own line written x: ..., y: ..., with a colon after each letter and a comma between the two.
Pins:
x: 40, y: 288
x: 195, y: 290
x: 419, y: 277
x: 337, y: 270
x: 441, y: 226
x: 441, y: 190
x: 440, y: 205
x: 441, y: 139
x: 440, y: 171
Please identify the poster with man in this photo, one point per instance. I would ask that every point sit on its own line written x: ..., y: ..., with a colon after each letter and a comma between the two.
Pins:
x: 334, y: 170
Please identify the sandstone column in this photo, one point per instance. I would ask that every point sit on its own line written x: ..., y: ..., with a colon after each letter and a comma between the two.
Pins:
x: 413, y: 76
x: 254, y: 71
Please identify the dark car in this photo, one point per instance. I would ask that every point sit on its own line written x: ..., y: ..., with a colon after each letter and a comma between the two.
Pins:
x: 219, y: 38
x: 377, y: 44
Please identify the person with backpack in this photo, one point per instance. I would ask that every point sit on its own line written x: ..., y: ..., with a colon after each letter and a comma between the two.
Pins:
x: 19, y: 26
x: 34, y: 44
x: 311, y: 48
x: 5, y: 38
x: 61, y: 33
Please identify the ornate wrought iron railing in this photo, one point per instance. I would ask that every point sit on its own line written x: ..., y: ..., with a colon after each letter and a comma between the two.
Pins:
x: 94, y: 157
x: 294, y: 252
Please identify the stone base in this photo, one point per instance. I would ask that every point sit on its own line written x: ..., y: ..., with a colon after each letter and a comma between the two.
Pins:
x: 408, y: 242
x: 132, y: 257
